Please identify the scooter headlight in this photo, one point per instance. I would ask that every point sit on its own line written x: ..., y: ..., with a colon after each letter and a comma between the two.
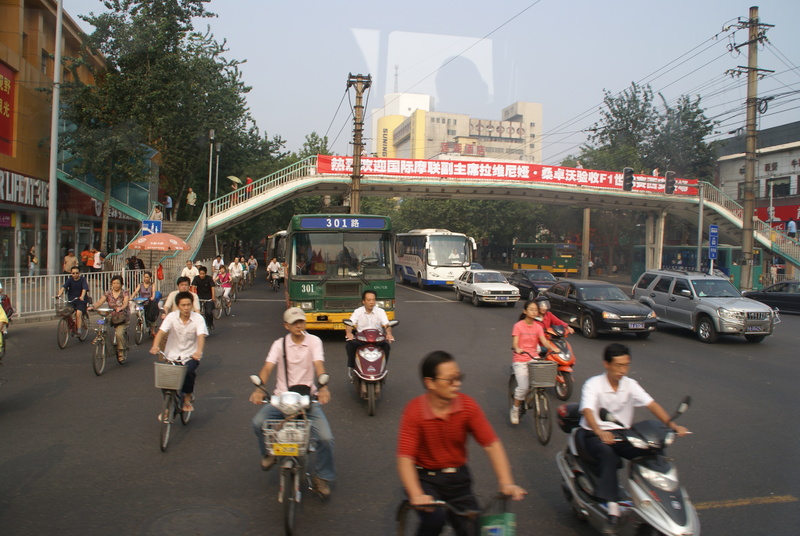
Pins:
x: 370, y: 354
x: 637, y: 442
x: 663, y: 481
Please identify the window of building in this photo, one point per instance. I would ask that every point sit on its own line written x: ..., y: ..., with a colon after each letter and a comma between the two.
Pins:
x: 533, y: 125
x: 448, y: 121
x: 533, y: 146
x: 43, y: 65
x: 451, y: 132
x: 533, y: 135
x: 454, y: 121
x: 780, y: 187
x: 433, y: 120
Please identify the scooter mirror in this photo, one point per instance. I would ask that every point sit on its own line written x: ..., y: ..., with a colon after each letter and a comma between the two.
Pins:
x: 323, y: 379
x: 606, y: 415
x: 684, y: 405
x: 347, y: 322
x: 255, y: 379
x: 393, y: 323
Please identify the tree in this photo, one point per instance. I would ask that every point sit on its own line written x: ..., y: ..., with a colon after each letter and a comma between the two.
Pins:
x: 678, y: 144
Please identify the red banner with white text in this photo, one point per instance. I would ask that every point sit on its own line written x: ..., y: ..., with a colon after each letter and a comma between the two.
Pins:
x: 500, y: 171
x: 6, y: 108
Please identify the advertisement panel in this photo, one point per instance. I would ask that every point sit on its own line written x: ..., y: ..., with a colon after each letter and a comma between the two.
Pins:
x: 7, y: 77
x: 504, y: 171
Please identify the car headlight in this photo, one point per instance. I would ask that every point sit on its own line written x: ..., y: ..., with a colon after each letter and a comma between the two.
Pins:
x: 664, y: 481
x: 610, y: 316
x: 728, y: 314
x: 651, y: 314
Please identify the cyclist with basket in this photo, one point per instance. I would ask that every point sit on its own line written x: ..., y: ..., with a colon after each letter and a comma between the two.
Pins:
x: 432, y: 447
x: 298, y: 361
x: 118, y: 299
x: 187, y: 338
x: 526, y: 336
x: 77, y: 289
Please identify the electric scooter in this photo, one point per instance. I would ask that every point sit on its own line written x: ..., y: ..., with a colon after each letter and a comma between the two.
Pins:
x: 370, y: 371
x: 654, y: 502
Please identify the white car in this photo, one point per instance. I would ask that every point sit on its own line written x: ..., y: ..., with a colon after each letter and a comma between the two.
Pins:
x: 487, y: 286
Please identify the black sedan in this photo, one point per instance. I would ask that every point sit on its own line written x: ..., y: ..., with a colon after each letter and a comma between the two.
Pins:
x: 531, y: 282
x: 598, y: 307
x: 784, y: 295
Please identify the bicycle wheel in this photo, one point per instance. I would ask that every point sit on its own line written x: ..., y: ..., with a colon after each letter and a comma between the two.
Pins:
x: 185, y: 415
x: 99, y: 358
x: 407, y: 520
x: 166, y: 418
x: 544, y: 424
x: 228, y: 307
x: 62, y: 333
x: 218, y: 309
x: 83, y: 328
x: 289, y: 484
x: 232, y: 295
x: 2, y: 345
x: 139, y: 337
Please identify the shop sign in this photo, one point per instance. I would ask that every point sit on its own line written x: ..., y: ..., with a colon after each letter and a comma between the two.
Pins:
x: 6, y: 219
x: 6, y: 108
x: 18, y: 188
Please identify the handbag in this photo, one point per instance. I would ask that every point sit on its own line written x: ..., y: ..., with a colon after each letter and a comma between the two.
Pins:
x: 118, y: 317
x: 160, y: 273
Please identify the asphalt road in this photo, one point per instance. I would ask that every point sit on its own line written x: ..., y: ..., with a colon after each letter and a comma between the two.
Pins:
x: 79, y: 454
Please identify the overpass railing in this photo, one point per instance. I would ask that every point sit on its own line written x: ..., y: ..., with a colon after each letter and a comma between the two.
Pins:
x: 301, y: 169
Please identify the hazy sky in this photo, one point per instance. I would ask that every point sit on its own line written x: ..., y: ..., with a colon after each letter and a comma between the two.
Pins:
x: 478, y: 57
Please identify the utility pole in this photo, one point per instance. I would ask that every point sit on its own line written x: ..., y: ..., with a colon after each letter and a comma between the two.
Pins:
x: 360, y: 82
x: 756, y: 34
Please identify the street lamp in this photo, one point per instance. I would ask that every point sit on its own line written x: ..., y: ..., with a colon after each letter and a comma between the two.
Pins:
x: 210, y: 159
x: 217, y: 148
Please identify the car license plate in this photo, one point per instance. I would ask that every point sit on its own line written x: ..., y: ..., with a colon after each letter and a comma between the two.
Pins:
x: 636, y: 325
x: 502, y: 298
x: 285, y: 449
x: 757, y: 329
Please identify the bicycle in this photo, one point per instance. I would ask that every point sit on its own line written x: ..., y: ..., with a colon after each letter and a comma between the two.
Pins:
x: 169, y: 377
x: 225, y: 304
x: 541, y: 374
x: 235, y: 286
x: 208, y: 313
x: 290, y: 441
x: 142, y: 324
x: 68, y: 324
x: 274, y: 281
x: 102, y: 348
x: 251, y: 275
x: 408, y: 525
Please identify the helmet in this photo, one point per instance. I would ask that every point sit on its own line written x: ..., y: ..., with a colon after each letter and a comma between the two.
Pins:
x: 543, y: 302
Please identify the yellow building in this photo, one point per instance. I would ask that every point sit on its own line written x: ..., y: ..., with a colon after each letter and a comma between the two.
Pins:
x: 27, y: 49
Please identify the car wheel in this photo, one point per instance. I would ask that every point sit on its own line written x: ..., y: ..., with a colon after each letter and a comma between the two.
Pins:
x: 587, y: 327
x: 531, y: 295
x: 459, y: 296
x: 706, y: 331
x: 755, y: 338
x: 475, y: 301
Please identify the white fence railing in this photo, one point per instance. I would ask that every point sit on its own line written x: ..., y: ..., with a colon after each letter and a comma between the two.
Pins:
x: 33, y: 295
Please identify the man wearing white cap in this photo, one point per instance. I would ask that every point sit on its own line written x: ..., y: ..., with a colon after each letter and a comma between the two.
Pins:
x: 299, y: 362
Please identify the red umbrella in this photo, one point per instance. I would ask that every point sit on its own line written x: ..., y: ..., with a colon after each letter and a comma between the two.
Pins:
x: 160, y: 242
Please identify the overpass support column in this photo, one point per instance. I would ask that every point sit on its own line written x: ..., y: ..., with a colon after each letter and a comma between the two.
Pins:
x: 654, y: 240
x: 585, y: 242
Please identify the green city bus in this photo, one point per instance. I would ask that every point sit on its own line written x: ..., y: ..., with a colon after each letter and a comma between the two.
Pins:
x: 555, y: 258
x: 331, y: 259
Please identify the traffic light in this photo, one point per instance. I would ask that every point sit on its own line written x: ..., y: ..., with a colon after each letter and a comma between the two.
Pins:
x: 627, y: 179
x: 669, y: 182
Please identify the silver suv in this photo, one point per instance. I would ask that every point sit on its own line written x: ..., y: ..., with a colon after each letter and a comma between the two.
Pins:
x: 706, y: 304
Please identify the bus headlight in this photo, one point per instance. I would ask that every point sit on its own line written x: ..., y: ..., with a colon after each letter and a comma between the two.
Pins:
x: 304, y: 305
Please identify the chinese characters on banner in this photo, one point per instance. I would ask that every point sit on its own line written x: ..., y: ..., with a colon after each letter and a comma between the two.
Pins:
x: 343, y: 165
x: 6, y: 108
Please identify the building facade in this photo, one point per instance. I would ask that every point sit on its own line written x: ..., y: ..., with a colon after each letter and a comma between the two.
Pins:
x: 27, y: 49
x: 408, y: 127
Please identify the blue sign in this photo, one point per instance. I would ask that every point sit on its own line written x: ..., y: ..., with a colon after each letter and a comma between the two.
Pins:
x: 151, y: 227
x: 342, y: 223
x: 713, y: 241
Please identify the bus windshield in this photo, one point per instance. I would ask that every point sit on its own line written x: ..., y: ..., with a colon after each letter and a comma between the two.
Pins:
x: 341, y: 255
x: 448, y: 251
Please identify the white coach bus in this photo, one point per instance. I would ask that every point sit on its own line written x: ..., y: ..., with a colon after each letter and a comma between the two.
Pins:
x: 430, y: 257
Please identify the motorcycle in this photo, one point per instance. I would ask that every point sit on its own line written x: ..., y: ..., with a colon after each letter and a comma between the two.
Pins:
x: 370, y: 371
x: 274, y: 280
x: 564, y: 358
x: 654, y: 502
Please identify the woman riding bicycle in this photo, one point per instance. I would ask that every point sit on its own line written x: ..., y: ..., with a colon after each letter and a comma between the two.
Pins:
x: 146, y: 291
x: 223, y: 279
x: 117, y: 299
x: 526, y: 336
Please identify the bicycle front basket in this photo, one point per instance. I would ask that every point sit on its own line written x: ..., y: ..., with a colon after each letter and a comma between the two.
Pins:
x: 65, y: 310
x: 286, y: 438
x: 542, y: 373
x: 169, y: 376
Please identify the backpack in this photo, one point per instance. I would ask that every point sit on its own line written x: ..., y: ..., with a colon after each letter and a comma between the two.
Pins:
x: 6, y: 302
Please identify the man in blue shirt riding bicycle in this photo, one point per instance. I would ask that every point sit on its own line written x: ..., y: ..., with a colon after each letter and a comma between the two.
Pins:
x: 77, y: 288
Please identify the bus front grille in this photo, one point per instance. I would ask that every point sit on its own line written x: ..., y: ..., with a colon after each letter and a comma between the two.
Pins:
x: 344, y: 290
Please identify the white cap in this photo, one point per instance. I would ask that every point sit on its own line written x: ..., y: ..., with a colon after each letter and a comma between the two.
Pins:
x: 293, y: 314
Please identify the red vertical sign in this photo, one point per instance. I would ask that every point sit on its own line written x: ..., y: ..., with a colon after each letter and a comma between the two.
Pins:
x: 6, y: 108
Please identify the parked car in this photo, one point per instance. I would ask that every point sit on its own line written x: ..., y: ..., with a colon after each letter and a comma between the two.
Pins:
x: 785, y: 296
x: 707, y: 304
x: 485, y: 286
x: 531, y: 282
x: 475, y: 266
x: 599, y: 307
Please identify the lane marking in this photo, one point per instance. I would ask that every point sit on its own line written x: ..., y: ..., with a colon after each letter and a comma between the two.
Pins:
x: 257, y: 300
x: 752, y: 501
x: 427, y: 294
x: 429, y: 301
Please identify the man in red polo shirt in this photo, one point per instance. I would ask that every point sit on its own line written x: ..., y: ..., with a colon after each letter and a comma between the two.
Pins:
x: 431, y: 447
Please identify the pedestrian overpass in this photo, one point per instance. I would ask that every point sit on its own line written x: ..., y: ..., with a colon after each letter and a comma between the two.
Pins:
x: 317, y: 175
